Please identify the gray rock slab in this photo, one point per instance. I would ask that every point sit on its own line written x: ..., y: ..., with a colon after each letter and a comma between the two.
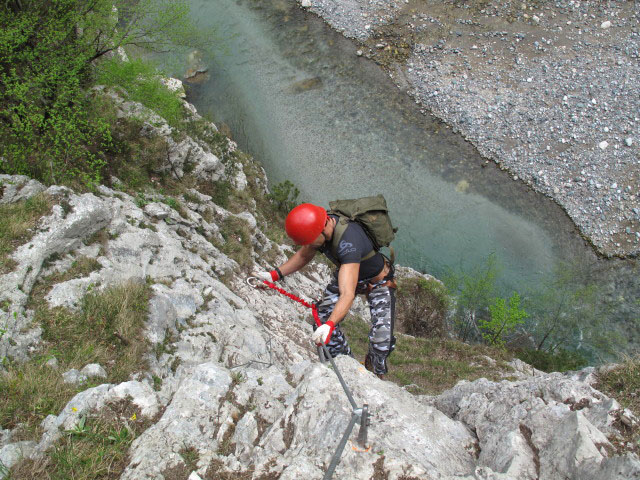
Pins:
x: 190, y: 420
x: 94, y: 370
x: 546, y: 426
x: 18, y: 187
x: 74, y: 376
x: 162, y: 316
x: 318, y: 412
x: 13, y: 453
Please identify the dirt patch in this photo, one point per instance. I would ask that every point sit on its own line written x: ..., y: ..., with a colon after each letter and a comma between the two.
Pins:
x: 178, y: 472
x: 579, y: 405
x: 379, y: 472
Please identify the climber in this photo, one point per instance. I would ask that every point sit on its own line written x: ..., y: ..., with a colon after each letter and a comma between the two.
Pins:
x: 361, y: 269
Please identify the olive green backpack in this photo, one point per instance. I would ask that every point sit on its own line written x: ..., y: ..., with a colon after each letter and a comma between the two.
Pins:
x: 370, y: 212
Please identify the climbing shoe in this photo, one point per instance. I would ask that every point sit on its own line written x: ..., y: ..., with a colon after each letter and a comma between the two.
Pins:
x: 368, y: 364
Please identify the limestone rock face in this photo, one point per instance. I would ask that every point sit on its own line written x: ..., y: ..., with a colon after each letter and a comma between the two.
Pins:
x: 18, y: 187
x: 545, y: 426
x: 232, y: 373
x: 183, y: 151
x: 74, y: 219
x: 188, y: 421
x: 317, y: 413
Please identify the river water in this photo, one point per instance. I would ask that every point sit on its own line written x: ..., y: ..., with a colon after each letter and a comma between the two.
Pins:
x: 297, y: 97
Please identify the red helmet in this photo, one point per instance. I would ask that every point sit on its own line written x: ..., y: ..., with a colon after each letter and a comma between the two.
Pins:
x: 305, y: 222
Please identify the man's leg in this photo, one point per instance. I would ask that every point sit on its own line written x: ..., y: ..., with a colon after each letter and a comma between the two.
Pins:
x: 338, y: 343
x: 382, y: 304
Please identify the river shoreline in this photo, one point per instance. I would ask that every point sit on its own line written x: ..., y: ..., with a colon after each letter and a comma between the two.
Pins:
x: 547, y: 92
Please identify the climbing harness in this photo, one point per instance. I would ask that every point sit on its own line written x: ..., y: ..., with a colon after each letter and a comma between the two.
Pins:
x: 359, y: 415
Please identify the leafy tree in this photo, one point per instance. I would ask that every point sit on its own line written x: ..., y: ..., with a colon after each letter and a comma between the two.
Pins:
x: 51, y: 128
x: 284, y: 195
x: 474, y: 291
x: 570, y: 313
x: 504, y: 318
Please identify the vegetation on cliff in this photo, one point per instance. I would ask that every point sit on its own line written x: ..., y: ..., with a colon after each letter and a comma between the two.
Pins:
x: 52, y: 127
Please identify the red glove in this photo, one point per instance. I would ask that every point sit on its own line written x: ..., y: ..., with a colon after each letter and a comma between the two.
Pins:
x: 323, y: 333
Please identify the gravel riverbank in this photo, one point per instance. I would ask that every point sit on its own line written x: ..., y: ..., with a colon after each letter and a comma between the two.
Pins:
x: 548, y: 90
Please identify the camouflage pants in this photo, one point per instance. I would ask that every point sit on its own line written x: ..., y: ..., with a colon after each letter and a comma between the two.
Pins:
x: 382, y: 301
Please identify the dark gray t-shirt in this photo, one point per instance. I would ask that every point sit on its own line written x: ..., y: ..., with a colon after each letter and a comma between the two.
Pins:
x: 354, y: 245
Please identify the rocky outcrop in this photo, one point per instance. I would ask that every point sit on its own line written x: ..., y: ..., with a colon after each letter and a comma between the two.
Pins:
x: 241, y: 384
x: 544, y: 426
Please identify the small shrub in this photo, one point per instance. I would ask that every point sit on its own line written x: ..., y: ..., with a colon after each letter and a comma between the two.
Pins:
x: 474, y: 291
x: 558, y: 361
x: 191, y: 198
x: 142, y: 82
x: 220, y: 192
x: 137, y: 159
x: 422, y: 306
x: 190, y: 456
x: 284, y: 195
x: 504, y: 318
x: 176, y: 205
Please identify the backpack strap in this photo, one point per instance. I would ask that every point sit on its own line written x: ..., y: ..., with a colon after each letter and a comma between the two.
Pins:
x: 338, y: 232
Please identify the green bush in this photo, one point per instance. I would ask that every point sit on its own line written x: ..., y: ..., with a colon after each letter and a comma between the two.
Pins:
x: 284, y: 195
x: 558, y: 361
x: 474, y: 291
x: 48, y: 126
x: 422, y: 306
x: 505, y: 316
x: 220, y: 192
x: 51, y: 127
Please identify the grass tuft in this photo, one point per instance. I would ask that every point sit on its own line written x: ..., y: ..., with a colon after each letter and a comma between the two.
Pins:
x: 17, y: 223
x: 237, y: 236
x: 430, y: 365
x: 623, y: 384
x: 96, y: 448
x: 107, y: 330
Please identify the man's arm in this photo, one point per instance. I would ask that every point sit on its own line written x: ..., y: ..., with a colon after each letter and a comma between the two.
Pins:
x: 347, y: 283
x: 298, y: 260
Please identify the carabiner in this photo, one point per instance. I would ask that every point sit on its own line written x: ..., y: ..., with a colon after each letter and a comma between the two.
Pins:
x: 257, y: 284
